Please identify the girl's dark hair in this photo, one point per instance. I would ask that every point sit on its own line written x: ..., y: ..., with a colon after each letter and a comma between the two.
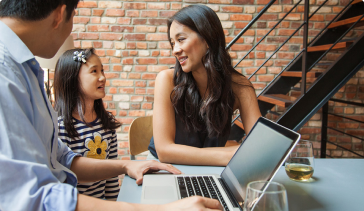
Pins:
x: 69, y: 97
x: 33, y: 10
x: 218, y: 108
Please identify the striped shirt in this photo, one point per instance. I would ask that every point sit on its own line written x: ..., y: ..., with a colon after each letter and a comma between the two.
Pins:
x: 93, y: 142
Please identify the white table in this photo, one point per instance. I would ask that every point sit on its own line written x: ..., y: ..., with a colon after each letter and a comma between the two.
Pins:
x: 338, y: 186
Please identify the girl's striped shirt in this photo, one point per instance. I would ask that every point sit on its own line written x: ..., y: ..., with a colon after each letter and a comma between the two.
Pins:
x: 93, y: 142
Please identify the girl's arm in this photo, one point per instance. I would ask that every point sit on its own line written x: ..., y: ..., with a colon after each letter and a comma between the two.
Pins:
x: 164, y: 129
x: 112, y: 184
x: 90, y: 170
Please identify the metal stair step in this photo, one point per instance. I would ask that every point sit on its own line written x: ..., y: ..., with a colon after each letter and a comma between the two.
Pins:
x: 347, y: 22
x: 298, y: 74
x: 356, y: 2
x: 340, y: 45
x: 277, y: 99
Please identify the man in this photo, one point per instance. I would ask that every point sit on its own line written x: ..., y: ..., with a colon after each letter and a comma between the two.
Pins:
x: 38, y: 172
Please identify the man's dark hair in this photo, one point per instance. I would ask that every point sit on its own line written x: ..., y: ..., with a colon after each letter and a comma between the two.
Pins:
x: 34, y: 10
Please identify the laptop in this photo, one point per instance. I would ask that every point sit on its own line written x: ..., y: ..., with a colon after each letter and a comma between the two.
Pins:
x: 259, y: 157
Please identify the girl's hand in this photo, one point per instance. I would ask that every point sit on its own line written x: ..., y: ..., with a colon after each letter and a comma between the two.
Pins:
x: 195, y: 203
x: 136, y: 169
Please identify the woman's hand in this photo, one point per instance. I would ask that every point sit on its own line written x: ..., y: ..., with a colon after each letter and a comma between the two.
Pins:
x: 136, y: 169
x: 195, y: 203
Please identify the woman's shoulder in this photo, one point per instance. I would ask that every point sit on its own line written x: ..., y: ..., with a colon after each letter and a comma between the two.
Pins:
x: 168, y: 73
x: 239, y: 81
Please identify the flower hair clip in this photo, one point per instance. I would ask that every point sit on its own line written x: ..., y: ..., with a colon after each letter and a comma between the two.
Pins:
x: 79, y: 56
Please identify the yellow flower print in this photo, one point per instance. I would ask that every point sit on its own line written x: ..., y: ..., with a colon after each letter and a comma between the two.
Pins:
x: 97, y: 147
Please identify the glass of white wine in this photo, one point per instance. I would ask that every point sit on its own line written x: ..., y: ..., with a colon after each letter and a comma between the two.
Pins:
x: 300, y: 164
x: 264, y: 196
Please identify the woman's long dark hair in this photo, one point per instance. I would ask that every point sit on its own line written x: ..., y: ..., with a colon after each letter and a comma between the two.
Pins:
x: 69, y: 97
x: 217, y: 108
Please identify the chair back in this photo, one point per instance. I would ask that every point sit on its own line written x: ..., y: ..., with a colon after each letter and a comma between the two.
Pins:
x: 140, y: 133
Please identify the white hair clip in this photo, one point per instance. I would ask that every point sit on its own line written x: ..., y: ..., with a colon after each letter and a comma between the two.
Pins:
x: 79, y: 56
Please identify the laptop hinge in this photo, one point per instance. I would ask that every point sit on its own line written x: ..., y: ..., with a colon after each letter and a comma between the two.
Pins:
x: 233, y: 201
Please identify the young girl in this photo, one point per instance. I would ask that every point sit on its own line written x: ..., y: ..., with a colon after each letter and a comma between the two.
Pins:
x: 84, y: 124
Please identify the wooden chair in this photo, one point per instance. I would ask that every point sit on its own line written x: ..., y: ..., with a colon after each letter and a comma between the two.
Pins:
x: 140, y: 133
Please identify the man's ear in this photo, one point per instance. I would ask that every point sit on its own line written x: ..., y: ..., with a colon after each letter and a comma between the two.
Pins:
x: 59, y: 15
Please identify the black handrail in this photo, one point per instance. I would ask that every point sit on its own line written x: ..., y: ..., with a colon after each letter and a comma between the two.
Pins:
x: 277, y: 50
x: 268, y: 33
x: 334, y: 19
x: 250, y: 24
x: 338, y: 40
x: 346, y: 149
x: 344, y: 117
x: 347, y: 102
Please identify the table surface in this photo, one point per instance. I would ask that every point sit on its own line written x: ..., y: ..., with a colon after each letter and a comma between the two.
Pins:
x: 338, y: 184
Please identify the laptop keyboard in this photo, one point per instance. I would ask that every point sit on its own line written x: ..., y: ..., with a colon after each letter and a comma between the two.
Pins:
x: 201, y: 186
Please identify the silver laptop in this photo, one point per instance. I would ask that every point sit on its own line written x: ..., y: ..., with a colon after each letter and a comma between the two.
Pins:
x: 259, y: 157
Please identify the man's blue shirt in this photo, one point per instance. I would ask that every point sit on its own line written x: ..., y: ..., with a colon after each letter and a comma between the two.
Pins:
x: 34, y: 163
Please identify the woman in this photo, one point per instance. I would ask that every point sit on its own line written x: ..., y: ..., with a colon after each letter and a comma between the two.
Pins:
x: 194, y: 103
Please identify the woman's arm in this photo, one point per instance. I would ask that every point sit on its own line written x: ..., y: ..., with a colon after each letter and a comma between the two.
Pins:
x: 164, y: 130
x: 246, y: 101
x: 192, y: 203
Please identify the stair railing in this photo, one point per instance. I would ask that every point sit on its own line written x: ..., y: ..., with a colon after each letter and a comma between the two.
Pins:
x: 325, y: 127
x: 305, y: 41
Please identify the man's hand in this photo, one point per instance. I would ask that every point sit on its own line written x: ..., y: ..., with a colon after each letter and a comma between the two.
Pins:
x: 192, y: 204
x: 136, y: 169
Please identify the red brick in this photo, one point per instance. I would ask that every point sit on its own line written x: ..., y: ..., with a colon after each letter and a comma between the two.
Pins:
x: 135, y: 6
x: 132, y: 13
x: 131, y: 45
x: 122, y: 83
x: 140, y: 68
x: 158, y: 22
x: 126, y: 90
x: 96, y: 20
x: 87, y: 4
x: 232, y: 9
x: 157, y: 37
x: 125, y: 121
x: 166, y: 14
x: 140, y: 84
x: 134, y: 75
x: 134, y: 37
x: 124, y: 21
x: 136, y: 99
x: 141, y: 45
x: 240, y: 17
x: 152, y: 13
x: 167, y: 60
x: 82, y: 20
x: 140, y: 91
x: 97, y: 28
x: 149, y: 76
x: 111, y: 36
x: 148, y: 106
x: 245, y: 2
x: 139, y: 21
x: 146, y: 61
x: 111, y: 75
x: 135, y: 106
x: 97, y: 12
x: 88, y: 36
x: 117, y: 68
x: 115, y: 12
x: 122, y: 28
x: 85, y: 12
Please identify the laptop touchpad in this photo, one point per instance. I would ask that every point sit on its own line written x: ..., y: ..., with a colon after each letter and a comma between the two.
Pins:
x: 159, y: 192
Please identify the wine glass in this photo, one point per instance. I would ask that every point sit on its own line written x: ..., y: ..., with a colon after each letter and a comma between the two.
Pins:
x: 264, y: 195
x: 300, y: 163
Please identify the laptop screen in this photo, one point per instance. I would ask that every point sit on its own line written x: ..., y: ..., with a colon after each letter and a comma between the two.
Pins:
x: 259, y: 157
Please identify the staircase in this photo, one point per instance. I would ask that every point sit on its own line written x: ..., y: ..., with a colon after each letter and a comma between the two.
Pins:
x: 296, y: 110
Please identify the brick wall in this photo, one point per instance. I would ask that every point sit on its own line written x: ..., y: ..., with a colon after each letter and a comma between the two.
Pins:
x: 130, y: 38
